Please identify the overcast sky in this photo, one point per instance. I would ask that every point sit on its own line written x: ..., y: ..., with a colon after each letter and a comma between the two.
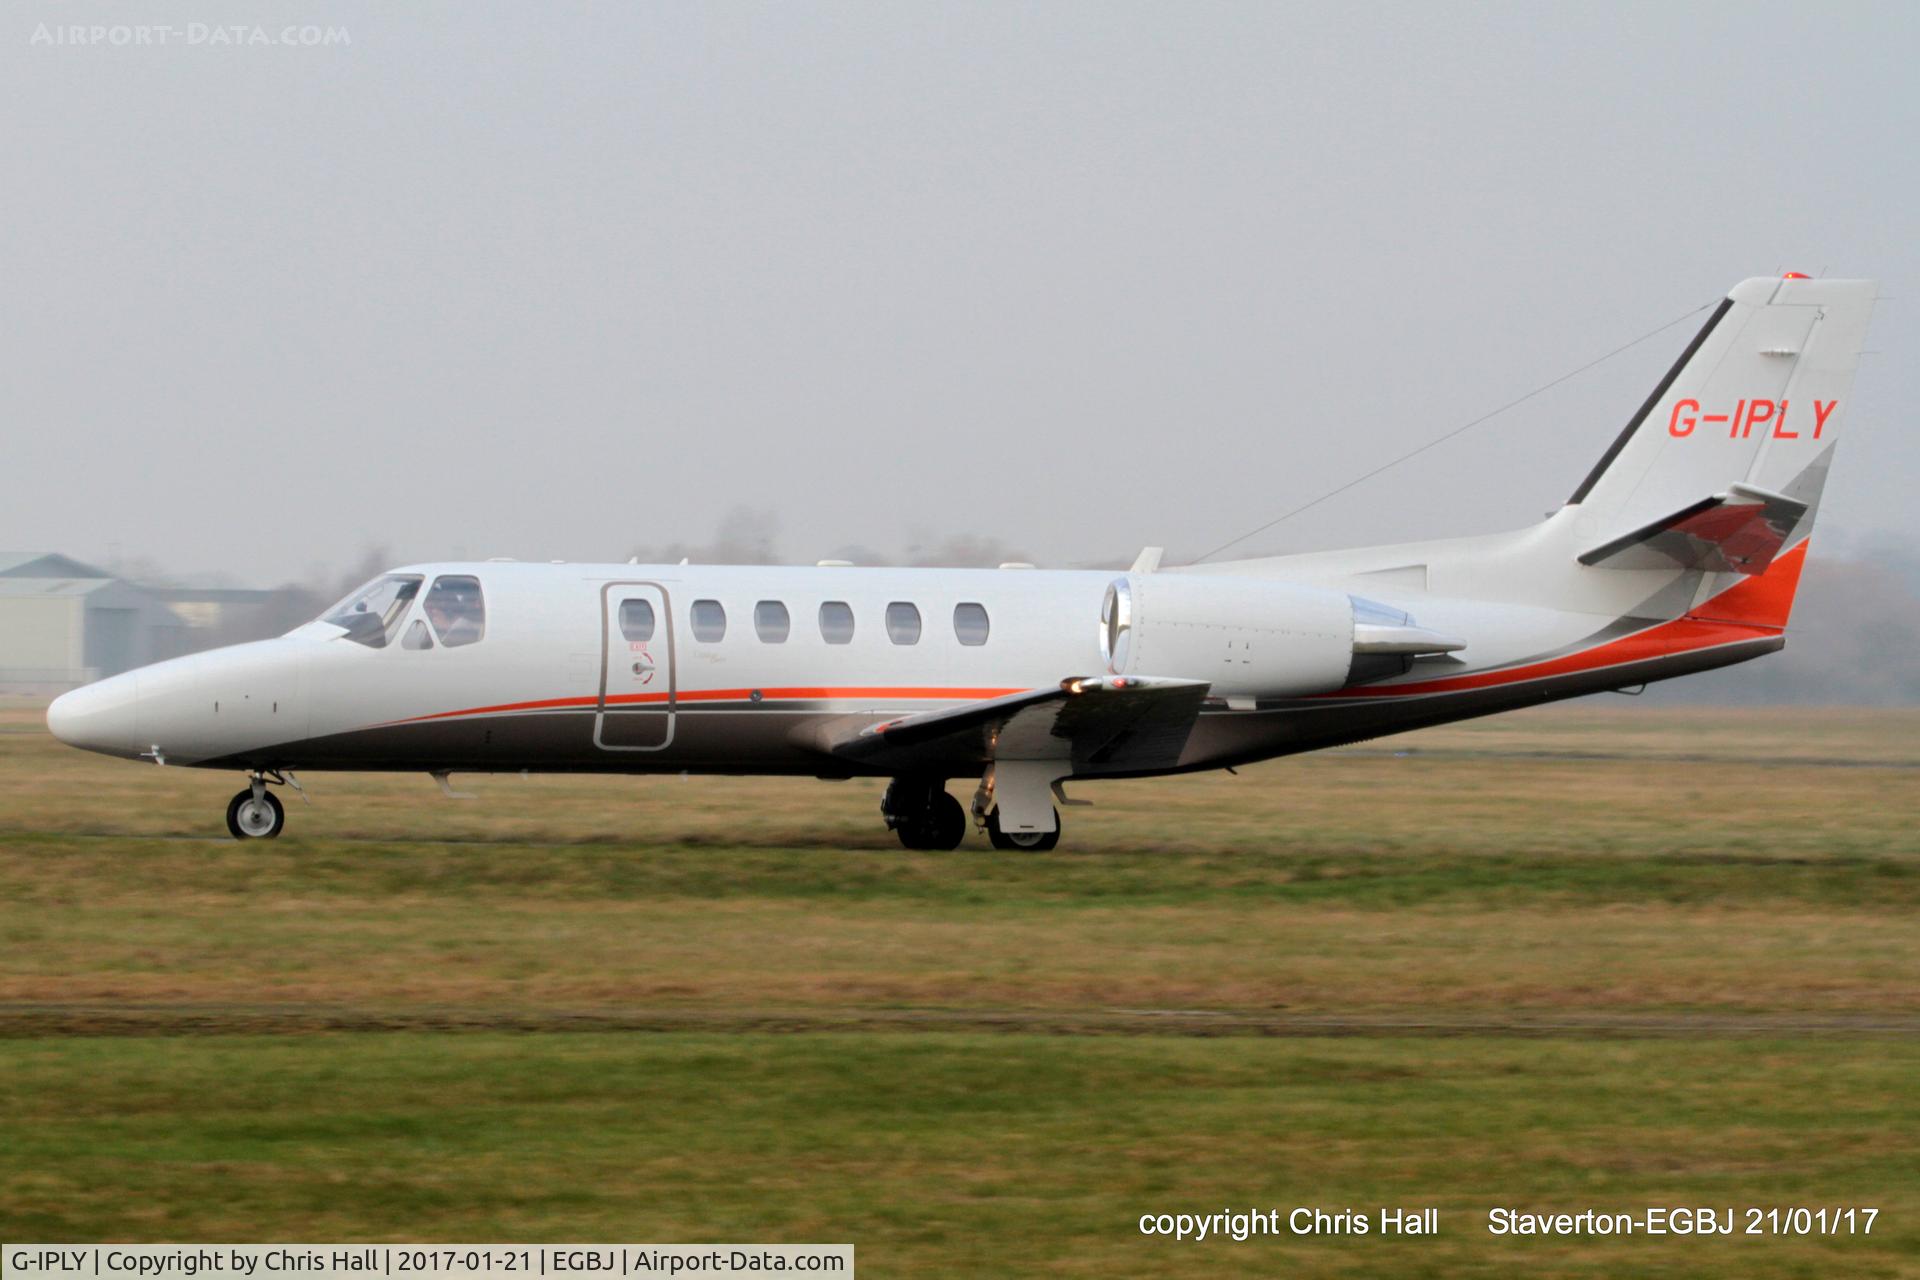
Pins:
x: 562, y: 282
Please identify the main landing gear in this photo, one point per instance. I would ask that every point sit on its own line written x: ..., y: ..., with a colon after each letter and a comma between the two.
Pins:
x: 926, y: 817
x: 256, y: 813
x: 921, y: 812
x: 1030, y: 841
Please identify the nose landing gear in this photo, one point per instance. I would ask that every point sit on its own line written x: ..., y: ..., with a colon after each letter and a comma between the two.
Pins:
x: 253, y: 816
x: 256, y: 813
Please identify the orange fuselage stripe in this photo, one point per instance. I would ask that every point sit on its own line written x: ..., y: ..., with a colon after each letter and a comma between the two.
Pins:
x: 725, y: 695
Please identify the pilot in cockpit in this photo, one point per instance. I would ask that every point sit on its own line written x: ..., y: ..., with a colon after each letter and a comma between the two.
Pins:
x: 455, y: 609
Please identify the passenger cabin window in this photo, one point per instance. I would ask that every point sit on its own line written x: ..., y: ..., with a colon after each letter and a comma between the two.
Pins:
x: 636, y: 620
x: 903, y: 623
x: 709, y: 621
x: 456, y: 609
x: 372, y: 615
x: 970, y: 623
x: 417, y: 637
x: 770, y: 622
x: 836, y: 622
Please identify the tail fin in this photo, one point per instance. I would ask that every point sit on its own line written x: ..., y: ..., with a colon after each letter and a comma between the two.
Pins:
x: 1722, y: 468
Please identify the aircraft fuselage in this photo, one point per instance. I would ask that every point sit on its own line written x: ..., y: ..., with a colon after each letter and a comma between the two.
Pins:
x: 557, y: 683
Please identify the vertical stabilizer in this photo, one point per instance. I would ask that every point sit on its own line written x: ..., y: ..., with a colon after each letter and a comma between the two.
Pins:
x: 1754, y: 404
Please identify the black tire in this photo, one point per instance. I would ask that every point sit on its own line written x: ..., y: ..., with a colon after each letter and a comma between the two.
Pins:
x: 1023, y: 841
x: 947, y: 823
x: 246, y: 821
x: 941, y: 826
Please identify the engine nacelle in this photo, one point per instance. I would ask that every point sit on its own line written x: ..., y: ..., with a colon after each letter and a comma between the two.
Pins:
x: 1251, y: 638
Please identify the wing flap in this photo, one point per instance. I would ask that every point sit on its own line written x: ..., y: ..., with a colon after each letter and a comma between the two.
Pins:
x: 1115, y: 722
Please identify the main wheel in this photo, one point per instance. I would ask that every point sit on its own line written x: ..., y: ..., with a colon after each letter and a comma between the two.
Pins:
x: 1031, y: 841
x: 249, y: 818
x: 941, y: 825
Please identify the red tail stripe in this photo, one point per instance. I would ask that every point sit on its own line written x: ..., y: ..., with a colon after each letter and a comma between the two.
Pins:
x: 1751, y: 609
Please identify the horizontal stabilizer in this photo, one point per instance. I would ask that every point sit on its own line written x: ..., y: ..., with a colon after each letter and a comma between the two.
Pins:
x: 1739, y: 531
x: 1112, y: 721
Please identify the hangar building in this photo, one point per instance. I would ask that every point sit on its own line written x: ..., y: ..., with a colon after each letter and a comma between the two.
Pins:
x: 64, y: 623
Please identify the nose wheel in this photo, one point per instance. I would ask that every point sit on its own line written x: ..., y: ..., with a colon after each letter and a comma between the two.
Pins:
x: 255, y: 814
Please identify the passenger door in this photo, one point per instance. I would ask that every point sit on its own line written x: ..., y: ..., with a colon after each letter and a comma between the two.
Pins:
x: 637, y: 686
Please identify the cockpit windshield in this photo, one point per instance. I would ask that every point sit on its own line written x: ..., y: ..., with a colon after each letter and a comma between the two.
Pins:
x: 372, y: 615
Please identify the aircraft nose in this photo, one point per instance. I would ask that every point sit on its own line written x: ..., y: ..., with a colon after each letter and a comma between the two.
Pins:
x: 98, y: 716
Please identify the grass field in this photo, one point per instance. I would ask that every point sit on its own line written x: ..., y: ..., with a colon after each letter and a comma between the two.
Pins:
x: 1602, y: 956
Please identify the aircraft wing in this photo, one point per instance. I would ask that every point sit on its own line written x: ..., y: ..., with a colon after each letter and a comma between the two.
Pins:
x: 1739, y: 531
x: 1120, y: 722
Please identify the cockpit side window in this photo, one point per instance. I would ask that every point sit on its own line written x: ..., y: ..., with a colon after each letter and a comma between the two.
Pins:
x: 456, y: 609
x: 372, y: 615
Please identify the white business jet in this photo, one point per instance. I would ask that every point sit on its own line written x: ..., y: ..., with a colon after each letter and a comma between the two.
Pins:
x: 1680, y: 552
